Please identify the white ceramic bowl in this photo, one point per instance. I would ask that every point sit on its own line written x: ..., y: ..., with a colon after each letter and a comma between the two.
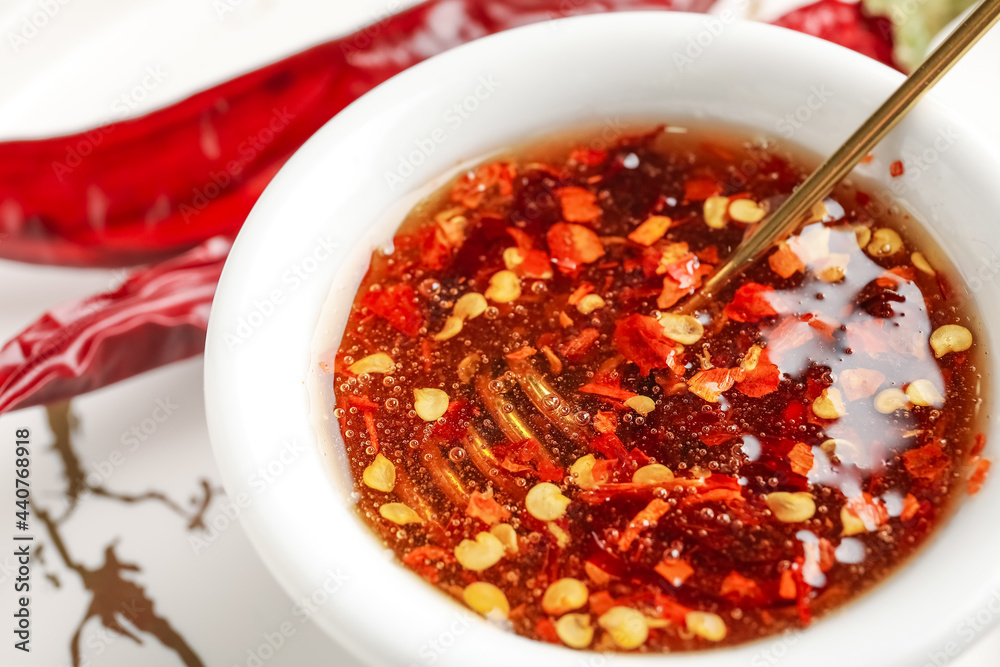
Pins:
x: 311, y: 234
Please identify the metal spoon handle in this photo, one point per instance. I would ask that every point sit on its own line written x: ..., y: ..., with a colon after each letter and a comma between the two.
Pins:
x: 792, y: 213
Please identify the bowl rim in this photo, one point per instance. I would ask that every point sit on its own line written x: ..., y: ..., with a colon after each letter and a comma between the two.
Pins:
x: 266, y: 523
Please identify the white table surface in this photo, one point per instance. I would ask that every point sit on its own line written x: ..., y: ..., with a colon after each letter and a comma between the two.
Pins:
x: 71, y: 73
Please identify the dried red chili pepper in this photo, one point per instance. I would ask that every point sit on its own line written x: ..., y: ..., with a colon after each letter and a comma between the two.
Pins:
x: 153, y: 186
x: 159, y: 315
x: 847, y: 24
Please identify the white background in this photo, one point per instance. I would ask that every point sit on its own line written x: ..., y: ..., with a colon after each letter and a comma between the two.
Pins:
x: 77, y: 62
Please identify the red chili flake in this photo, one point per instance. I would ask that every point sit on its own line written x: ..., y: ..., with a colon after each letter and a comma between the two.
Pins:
x: 362, y: 402
x: 860, y: 382
x: 910, y: 507
x: 588, y: 156
x: 472, y: 187
x: 601, y: 602
x: 482, y: 506
x: 426, y: 347
x: 827, y: 555
x: 687, y: 271
x: 525, y: 352
x: 907, y: 273
x: 668, y: 608
x: 787, y: 589
x: 979, y: 446
x: 868, y: 159
x: 423, y: 560
x: 656, y: 508
x: 699, y: 188
x: 535, y: 264
x: 435, y: 251
x: 658, y: 256
x: 546, y: 630
x: 737, y: 586
x: 675, y: 571
x: 709, y: 255
x: 555, y: 363
x: 548, y: 471
x: 638, y: 457
x: 603, y: 469
x: 454, y: 423
x: 981, y: 468
x: 581, y: 291
x: 927, y: 462
x: 397, y: 306
x: 790, y: 333
x: 578, y: 205
x: 896, y: 169
x: 609, y: 445
x: 641, y: 340
x: 671, y: 294
x: 577, y: 348
x: 521, y: 238
x: 867, y: 336
x: 872, y: 512
x: 751, y: 303
x: 710, y: 384
x: 761, y: 380
x: 711, y: 496
x: 372, y: 431
x: 571, y: 246
x: 651, y: 230
x: 714, y: 439
x: 802, y: 594
x: 608, y: 391
x: 785, y: 262
x: 527, y: 456
x: 606, y: 422
x: 596, y: 573
x: 801, y: 458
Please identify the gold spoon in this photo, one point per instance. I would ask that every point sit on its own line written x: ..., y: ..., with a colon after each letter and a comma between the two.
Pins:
x: 793, y: 212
